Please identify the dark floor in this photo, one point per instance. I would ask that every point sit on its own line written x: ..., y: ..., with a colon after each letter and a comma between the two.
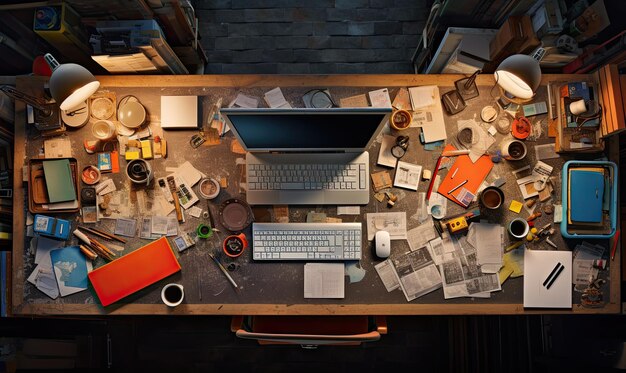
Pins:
x: 424, y: 344
x: 316, y: 37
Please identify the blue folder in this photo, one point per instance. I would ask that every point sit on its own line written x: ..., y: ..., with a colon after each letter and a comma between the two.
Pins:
x: 586, y: 195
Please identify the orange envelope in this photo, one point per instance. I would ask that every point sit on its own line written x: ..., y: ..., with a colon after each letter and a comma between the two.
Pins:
x: 474, y: 173
x: 134, y: 271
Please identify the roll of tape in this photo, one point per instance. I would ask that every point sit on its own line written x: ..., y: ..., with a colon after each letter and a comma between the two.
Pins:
x: 204, y: 231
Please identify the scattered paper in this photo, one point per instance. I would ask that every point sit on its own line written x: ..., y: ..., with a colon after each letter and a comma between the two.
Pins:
x: 392, y: 222
x: 172, y: 226
x: 402, y: 100
x: 380, y: 98
x: 488, y: 240
x: 385, y: 158
x: 43, y: 278
x: 428, y: 112
x: 545, y: 151
x: 348, y: 210
x: 324, y: 280
x: 44, y: 246
x: 58, y: 147
x: 244, y: 101
x: 417, y: 274
x: 354, y: 101
x: 420, y: 235
x: 195, y: 211
x: 583, y: 272
x: 407, y: 175
x: 558, y: 213
x: 105, y: 186
x: 381, y: 180
x: 387, y: 275
x: 275, y: 99
x: 126, y: 227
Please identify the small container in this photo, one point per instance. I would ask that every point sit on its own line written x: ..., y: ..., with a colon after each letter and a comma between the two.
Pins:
x: 90, y: 175
x: 513, y: 150
x: 235, y: 245
x: 132, y: 114
x: 492, y: 198
x: 173, y: 294
x: 209, y: 188
x: 103, y: 129
x: 400, y: 120
x: 518, y: 228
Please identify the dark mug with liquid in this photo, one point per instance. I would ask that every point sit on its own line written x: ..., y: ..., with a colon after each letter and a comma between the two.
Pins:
x: 492, y: 198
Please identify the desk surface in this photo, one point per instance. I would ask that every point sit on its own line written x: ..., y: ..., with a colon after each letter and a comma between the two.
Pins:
x: 274, y: 287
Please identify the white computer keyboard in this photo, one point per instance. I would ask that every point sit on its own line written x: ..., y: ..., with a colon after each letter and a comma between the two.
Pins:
x: 306, y: 241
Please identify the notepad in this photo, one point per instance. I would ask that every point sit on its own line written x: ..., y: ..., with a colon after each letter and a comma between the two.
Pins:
x: 179, y: 112
x: 539, y: 266
x: 324, y: 280
x: 134, y: 271
x: 59, y: 181
x: 586, y: 195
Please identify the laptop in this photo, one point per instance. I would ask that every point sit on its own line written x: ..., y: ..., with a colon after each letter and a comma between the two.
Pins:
x: 307, y: 156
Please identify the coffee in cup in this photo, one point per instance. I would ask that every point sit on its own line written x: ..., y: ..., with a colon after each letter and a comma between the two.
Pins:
x: 518, y: 228
x: 492, y: 198
x: 172, y: 294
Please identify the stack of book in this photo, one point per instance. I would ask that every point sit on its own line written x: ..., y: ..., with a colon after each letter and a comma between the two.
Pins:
x: 53, y: 185
x: 588, y: 199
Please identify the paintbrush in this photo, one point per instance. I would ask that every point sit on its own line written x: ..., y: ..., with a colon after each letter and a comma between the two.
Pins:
x: 172, y: 185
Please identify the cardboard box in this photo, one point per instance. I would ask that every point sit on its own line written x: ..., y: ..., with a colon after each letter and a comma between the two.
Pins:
x: 516, y: 36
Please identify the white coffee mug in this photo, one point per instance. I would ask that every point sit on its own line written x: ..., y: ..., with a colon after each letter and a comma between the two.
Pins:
x: 103, y: 129
x: 173, y: 294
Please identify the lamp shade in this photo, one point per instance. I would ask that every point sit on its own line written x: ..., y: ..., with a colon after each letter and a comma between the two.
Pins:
x: 519, y: 75
x: 70, y: 84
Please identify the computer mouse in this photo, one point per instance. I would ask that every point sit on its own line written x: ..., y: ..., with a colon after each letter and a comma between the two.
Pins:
x: 382, y: 242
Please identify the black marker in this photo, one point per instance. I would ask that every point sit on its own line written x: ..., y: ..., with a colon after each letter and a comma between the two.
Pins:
x: 555, y: 276
x: 558, y: 265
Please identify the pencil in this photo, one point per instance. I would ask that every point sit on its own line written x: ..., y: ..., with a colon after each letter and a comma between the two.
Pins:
x: 615, y: 242
x: 221, y: 267
x: 457, y: 187
x: 451, y: 153
x: 103, y: 234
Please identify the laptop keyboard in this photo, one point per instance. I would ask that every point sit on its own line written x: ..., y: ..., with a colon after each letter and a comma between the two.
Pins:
x: 307, y: 176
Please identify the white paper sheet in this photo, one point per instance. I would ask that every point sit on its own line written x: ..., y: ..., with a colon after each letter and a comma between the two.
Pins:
x: 420, y: 235
x: 324, y: 280
x: 392, y: 222
x: 537, y: 267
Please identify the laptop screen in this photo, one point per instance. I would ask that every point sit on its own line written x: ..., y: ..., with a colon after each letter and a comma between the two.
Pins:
x: 342, y: 129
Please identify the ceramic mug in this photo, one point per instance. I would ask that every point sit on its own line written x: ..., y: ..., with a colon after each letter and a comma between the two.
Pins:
x: 513, y: 150
x: 518, y: 228
x: 173, y: 294
x: 103, y: 129
x: 235, y: 245
x: 492, y: 198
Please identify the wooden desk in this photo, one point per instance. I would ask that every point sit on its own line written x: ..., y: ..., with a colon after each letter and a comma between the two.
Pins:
x: 274, y: 288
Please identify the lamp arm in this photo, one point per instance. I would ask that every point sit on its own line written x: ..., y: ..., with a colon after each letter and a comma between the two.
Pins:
x: 33, y: 101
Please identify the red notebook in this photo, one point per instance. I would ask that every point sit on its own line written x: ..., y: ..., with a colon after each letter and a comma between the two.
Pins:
x: 134, y: 271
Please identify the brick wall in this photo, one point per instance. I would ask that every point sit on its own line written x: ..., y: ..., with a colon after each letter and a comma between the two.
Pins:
x: 312, y: 36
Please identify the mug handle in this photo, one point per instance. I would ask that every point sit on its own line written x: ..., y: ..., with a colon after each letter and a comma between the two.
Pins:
x: 243, y: 239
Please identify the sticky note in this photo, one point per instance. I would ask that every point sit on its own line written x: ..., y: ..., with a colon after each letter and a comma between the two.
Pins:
x: 146, y: 149
x: 515, y: 206
x: 130, y: 155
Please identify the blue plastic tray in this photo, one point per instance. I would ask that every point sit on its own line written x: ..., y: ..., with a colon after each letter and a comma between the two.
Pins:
x: 612, y: 198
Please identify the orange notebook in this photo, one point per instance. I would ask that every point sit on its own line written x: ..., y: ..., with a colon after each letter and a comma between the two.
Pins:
x: 134, y: 271
x: 474, y: 173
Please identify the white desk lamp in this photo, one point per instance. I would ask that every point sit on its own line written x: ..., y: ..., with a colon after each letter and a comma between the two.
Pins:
x: 70, y: 84
x: 519, y: 75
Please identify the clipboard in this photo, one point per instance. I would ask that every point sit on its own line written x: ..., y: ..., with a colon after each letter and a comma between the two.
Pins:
x: 474, y: 173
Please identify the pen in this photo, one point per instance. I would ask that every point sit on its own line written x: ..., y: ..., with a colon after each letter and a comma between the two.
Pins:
x: 457, y: 187
x: 221, y: 267
x: 454, y: 173
x: 555, y: 276
x: 556, y: 267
